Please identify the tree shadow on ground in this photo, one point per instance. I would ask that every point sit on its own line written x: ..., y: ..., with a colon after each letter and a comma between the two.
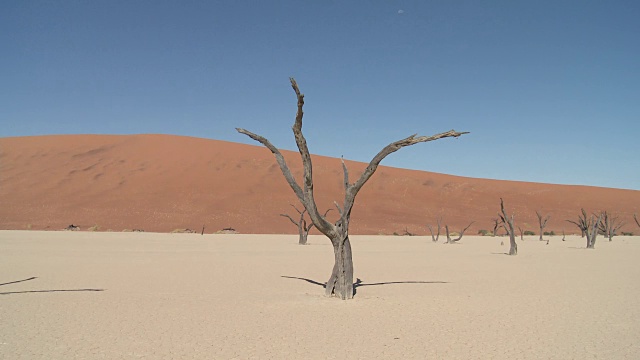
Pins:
x: 47, y: 291
x: 39, y: 291
x: 499, y: 253
x: 18, y: 281
x: 359, y: 282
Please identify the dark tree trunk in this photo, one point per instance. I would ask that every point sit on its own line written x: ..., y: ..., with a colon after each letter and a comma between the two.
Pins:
x: 303, y: 235
x: 508, y: 225
x: 542, y: 222
x: 340, y: 283
x: 589, y: 226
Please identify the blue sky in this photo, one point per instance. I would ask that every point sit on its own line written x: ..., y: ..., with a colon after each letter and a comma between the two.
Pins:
x: 550, y: 90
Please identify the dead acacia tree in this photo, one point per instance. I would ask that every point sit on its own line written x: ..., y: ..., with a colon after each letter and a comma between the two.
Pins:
x: 609, y: 225
x: 453, y: 241
x: 589, y: 227
x: 340, y: 282
x: 507, y: 222
x: 635, y: 217
x: 542, y: 222
x: 496, y: 226
x: 437, y: 236
x: 303, y: 228
x: 521, y: 233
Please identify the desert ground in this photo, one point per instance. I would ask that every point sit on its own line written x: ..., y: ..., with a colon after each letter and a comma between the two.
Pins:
x: 91, y: 295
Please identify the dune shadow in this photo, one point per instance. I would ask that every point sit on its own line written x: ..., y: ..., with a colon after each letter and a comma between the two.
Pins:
x: 47, y: 291
x: 18, y: 281
x: 360, y: 283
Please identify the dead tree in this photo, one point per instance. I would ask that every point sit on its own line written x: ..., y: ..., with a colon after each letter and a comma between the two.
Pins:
x: 303, y: 228
x: 635, y: 217
x: 496, y: 226
x: 340, y: 282
x: 437, y: 236
x: 407, y: 233
x: 453, y: 241
x: 521, y: 233
x: 609, y: 225
x: 589, y: 227
x: 543, y: 223
x: 507, y: 222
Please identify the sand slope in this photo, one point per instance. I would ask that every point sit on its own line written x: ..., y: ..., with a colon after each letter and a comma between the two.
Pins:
x: 185, y: 296
x: 160, y: 183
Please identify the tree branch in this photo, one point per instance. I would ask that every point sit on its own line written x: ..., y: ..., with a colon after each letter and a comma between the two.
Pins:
x: 290, y: 218
x: 280, y: 159
x: 353, y: 189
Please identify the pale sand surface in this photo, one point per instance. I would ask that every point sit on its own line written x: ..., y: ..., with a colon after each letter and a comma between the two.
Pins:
x: 186, y: 296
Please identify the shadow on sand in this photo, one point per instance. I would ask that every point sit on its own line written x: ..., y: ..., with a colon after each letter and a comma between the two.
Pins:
x: 359, y: 282
x: 39, y: 291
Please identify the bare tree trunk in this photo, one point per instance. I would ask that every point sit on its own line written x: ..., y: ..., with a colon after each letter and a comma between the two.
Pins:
x: 508, y: 225
x: 496, y: 226
x: 304, y: 234
x: 521, y: 233
x: 543, y: 223
x: 609, y: 225
x: 453, y: 241
x: 340, y: 283
x: 437, y: 236
x: 589, y: 227
x: 635, y: 217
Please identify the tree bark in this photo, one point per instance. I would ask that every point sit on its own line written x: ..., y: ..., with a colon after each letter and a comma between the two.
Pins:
x: 542, y: 222
x: 588, y: 225
x: 437, y: 236
x: 340, y: 283
x: 508, y: 226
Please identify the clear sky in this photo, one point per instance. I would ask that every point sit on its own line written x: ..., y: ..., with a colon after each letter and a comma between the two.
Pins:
x: 550, y: 90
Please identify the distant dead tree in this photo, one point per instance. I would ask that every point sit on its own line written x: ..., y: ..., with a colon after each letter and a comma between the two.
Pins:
x: 563, y: 235
x: 521, y: 233
x: 303, y: 228
x: 542, y: 222
x: 407, y: 233
x: 507, y: 222
x: 453, y: 241
x: 635, y: 217
x: 437, y: 236
x: 609, y: 225
x: 340, y: 282
x: 496, y: 226
x: 589, y: 227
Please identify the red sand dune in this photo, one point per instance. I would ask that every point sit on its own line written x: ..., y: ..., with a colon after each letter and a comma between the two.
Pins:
x: 162, y: 182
